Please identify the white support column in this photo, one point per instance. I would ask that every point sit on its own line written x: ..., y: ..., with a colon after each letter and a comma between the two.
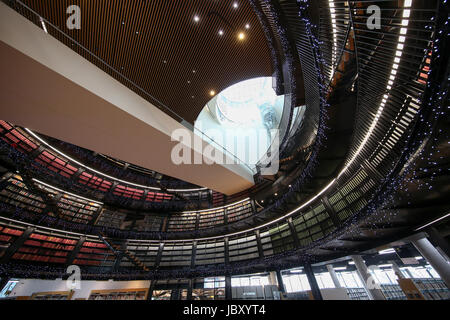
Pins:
x: 333, y: 275
x: 376, y: 294
x: 397, y: 270
x: 434, y: 258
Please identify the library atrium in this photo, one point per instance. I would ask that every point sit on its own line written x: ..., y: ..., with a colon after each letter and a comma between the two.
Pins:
x: 121, y: 177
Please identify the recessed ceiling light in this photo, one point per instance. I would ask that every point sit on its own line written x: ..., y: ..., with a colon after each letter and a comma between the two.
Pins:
x: 196, y: 18
x: 212, y: 93
x: 235, y: 5
x: 165, y: 61
x: 221, y: 32
x: 193, y: 71
x: 247, y: 26
x: 276, y: 194
x: 241, y: 36
x: 189, y: 82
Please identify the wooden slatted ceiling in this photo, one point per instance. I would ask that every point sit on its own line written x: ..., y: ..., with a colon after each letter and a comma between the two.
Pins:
x: 155, y: 31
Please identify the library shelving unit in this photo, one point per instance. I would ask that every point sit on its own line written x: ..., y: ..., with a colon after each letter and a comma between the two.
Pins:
x: 75, y: 209
x: 17, y: 194
x: 113, y: 219
x: 393, y: 292
x: 182, y: 222
x: 161, y: 294
x: 210, y: 218
x: 56, y: 295
x: 424, y: 289
x: 7, y: 236
x: 239, y: 211
x: 40, y: 247
x: 95, y: 254
x: 145, y: 252
x: 119, y: 294
x: 150, y: 223
x: 357, y: 294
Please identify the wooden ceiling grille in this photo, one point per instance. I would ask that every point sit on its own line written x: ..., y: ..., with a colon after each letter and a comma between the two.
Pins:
x: 135, y: 37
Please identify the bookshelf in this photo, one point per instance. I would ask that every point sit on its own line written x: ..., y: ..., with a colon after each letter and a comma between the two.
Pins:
x: 18, y: 195
x: 239, y: 211
x: 119, y: 294
x: 357, y: 294
x: 113, y: 219
x: 56, y: 295
x: 182, y: 222
x: 211, y: 218
x: 7, y: 236
x: 45, y: 248
x: 150, y: 223
x: 145, y: 252
x: 94, y: 254
x: 424, y: 289
x: 393, y: 292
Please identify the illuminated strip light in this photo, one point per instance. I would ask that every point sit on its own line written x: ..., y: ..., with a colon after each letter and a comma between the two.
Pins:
x: 218, y: 208
x: 102, y: 174
x: 432, y: 222
x: 72, y: 194
x: 392, y: 77
x: 334, y: 31
x: 43, y: 24
x: 387, y: 251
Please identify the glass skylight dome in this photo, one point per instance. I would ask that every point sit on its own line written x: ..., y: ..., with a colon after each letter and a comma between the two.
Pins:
x: 241, y: 110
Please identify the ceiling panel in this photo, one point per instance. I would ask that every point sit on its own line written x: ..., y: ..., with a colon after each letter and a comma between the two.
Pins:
x: 158, y: 45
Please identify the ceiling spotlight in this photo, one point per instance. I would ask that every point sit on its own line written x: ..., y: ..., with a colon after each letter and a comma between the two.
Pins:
x: 235, y: 5
x: 220, y: 32
x: 276, y: 194
x: 189, y: 82
x: 247, y: 26
x: 196, y: 18
x: 193, y: 71
x: 212, y: 93
x: 241, y: 36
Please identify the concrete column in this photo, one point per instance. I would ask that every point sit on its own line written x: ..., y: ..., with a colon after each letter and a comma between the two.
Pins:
x: 280, y: 281
x: 434, y: 258
x: 3, y: 282
x: 313, y: 282
x: 189, y: 289
x: 397, y: 270
x: 333, y: 275
x: 273, y: 278
x: 150, y: 289
x: 228, y: 291
x: 376, y: 294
